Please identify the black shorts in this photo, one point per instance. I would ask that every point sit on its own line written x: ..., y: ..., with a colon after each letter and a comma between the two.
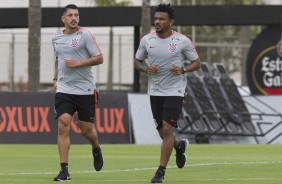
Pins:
x: 84, y: 105
x: 166, y: 108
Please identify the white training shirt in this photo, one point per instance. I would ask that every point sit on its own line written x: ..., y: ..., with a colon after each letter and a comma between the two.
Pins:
x: 165, y: 52
x: 77, y: 46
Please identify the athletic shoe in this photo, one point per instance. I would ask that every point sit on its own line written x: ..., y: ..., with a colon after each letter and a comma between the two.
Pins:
x: 63, y: 176
x: 159, y: 177
x: 181, y: 157
x: 98, y: 158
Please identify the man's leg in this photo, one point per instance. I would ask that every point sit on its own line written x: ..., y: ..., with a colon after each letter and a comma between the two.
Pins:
x: 172, y: 110
x: 64, y: 123
x: 176, y: 142
x: 166, y: 132
x: 89, y: 132
x: 180, y: 148
x: 167, y: 144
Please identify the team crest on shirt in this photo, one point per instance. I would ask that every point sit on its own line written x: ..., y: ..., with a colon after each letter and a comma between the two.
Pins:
x: 172, y: 47
x: 74, y: 42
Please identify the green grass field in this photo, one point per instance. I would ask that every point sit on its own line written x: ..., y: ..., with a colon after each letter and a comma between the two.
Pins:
x: 124, y: 164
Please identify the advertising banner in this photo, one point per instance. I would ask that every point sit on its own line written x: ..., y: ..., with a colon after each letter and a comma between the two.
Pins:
x: 264, y: 65
x: 29, y: 118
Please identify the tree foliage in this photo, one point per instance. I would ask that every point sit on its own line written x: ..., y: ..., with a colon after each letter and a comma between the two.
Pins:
x: 111, y: 3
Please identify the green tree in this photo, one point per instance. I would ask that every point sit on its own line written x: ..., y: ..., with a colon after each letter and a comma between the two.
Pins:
x: 111, y: 3
x: 34, y: 41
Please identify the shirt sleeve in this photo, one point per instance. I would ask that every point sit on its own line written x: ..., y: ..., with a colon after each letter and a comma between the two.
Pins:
x: 141, y: 53
x: 92, y: 45
x: 189, y: 50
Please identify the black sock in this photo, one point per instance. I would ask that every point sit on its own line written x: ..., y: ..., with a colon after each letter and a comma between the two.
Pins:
x: 64, y: 167
x: 162, y: 168
x: 96, y: 150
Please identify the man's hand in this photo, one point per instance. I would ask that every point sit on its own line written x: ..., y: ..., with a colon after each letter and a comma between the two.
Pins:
x: 152, y: 69
x: 70, y: 63
x: 176, y: 70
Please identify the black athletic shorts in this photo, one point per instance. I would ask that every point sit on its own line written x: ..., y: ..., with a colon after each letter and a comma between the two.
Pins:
x: 166, y: 108
x: 84, y: 105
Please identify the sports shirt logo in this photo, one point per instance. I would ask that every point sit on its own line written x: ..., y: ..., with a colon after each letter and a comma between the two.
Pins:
x: 172, y: 47
x: 74, y: 42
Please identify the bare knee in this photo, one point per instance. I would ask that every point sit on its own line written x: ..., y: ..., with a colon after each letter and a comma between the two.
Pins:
x: 87, y: 130
x: 63, y: 130
x: 167, y: 130
x: 64, y: 125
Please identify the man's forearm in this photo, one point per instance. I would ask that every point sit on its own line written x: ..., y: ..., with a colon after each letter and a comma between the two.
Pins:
x: 56, y: 69
x: 95, y: 60
x: 193, y: 66
x: 140, y: 66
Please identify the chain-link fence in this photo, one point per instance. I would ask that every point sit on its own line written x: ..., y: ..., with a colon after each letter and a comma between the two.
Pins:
x: 14, y: 64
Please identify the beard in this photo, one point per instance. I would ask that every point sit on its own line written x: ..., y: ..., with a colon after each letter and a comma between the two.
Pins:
x: 73, y: 27
x: 159, y: 31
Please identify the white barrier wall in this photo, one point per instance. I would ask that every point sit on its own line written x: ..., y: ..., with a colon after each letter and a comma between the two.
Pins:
x: 143, y: 125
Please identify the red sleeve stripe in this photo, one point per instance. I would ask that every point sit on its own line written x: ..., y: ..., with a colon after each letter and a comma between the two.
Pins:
x: 150, y: 33
x: 93, y: 38
x: 191, y: 43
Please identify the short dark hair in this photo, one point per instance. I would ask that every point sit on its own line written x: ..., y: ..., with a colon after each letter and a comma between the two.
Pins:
x: 70, y: 6
x: 165, y: 8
